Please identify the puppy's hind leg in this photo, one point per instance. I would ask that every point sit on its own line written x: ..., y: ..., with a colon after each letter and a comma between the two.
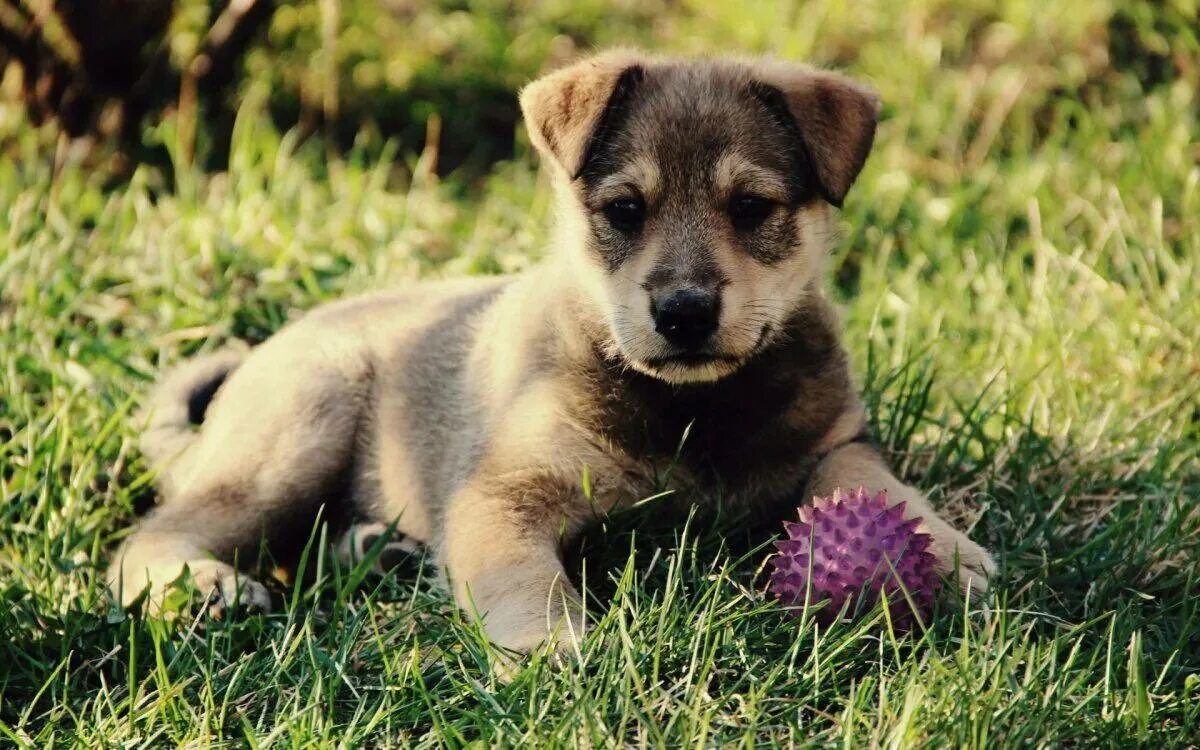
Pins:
x: 187, y: 538
x: 277, y: 443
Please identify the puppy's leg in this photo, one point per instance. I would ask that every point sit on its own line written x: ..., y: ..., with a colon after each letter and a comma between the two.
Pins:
x: 857, y: 464
x: 276, y: 444
x: 500, y: 548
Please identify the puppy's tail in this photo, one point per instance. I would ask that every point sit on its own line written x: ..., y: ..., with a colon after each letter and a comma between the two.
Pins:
x: 177, y: 404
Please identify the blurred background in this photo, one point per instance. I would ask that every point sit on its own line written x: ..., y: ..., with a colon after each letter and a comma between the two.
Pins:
x: 442, y: 73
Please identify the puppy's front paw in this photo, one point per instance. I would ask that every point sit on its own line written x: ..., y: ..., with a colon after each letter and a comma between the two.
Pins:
x: 534, y: 618
x: 975, y: 567
x: 533, y: 634
x: 515, y: 640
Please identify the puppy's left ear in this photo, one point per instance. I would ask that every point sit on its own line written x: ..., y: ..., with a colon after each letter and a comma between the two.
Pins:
x: 835, y: 116
x: 564, y: 110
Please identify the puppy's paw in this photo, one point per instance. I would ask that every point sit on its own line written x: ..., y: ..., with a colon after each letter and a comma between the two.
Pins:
x: 975, y: 567
x: 534, y: 635
x: 560, y: 645
x: 554, y: 627
x: 360, y: 540
x: 219, y: 587
x: 229, y: 591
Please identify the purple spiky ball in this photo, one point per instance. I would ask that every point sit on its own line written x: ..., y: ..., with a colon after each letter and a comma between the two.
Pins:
x: 851, y: 548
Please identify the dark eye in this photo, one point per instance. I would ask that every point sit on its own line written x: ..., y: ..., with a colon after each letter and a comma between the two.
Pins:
x: 748, y: 211
x: 626, y: 214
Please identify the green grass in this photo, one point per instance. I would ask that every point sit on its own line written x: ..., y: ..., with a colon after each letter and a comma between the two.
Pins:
x: 1018, y: 269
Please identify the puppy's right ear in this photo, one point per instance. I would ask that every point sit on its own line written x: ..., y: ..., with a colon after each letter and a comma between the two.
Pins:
x: 565, y: 110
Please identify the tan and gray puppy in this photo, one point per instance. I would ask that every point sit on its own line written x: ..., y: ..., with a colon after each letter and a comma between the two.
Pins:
x: 684, y: 296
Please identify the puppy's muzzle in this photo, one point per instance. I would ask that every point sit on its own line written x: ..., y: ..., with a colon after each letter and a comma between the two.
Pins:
x: 686, y: 318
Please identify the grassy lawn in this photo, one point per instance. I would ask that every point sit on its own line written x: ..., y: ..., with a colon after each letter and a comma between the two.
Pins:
x: 1019, y: 270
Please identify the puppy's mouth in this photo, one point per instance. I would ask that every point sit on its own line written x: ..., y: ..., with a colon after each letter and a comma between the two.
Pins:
x: 702, y: 358
x: 691, y: 359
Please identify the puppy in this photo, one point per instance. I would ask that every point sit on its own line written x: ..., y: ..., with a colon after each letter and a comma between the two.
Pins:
x: 677, y: 339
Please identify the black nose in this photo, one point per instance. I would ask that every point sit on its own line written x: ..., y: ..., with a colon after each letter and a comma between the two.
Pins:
x: 686, y: 318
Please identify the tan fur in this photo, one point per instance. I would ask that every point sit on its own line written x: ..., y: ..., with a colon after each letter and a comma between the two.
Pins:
x: 837, y: 116
x: 464, y: 415
x: 562, y: 109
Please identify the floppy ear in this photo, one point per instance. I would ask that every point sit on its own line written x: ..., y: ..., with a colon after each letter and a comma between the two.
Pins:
x: 565, y: 109
x: 835, y: 117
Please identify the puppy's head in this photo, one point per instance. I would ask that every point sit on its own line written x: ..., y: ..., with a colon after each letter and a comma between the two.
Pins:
x: 697, y: 196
